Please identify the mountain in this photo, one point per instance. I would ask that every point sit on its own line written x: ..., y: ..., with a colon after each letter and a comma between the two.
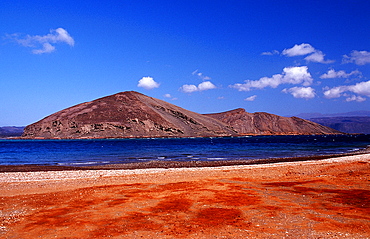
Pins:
x: 10, y: 131
x: 125, y: 115
x: 132, y: 115
x: 354, y: 124
x: 261, y: 123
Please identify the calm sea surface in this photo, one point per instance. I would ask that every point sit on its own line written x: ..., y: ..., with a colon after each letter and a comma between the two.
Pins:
x: 108, y: 151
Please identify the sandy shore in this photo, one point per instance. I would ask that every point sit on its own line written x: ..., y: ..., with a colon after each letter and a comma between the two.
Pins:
x: 329, y: 198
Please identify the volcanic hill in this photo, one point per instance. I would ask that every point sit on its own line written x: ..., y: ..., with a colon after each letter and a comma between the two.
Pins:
x: 134, y: 115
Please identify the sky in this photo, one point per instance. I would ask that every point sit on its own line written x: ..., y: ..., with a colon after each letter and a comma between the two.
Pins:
x: 281, y: 57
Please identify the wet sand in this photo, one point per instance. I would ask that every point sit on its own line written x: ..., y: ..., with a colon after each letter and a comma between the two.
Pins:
x: 327, y: 198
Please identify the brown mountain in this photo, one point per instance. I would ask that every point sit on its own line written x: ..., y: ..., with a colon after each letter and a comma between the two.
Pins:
x: 131, y: 114
x: 126, y: 115
x: 261, y: 123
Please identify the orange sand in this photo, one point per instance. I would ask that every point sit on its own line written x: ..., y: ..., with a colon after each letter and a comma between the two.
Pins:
x: 314, y: 199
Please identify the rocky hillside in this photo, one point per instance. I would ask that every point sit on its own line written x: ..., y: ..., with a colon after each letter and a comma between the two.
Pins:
x: 127, y: 114
x: 261, y: 123
x: 131, y: 114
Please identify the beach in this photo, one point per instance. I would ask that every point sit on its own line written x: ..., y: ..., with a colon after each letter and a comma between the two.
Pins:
x: 328, y: 198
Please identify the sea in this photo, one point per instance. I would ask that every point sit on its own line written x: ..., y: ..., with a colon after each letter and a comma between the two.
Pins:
x: 87, y: 152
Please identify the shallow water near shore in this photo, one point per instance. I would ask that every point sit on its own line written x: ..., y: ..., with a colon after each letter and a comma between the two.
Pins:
x: 119, y: 151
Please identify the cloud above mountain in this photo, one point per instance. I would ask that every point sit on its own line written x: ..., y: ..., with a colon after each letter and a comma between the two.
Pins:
x: 361, y: 88
x: 148, y: 83
x: 290, y: 75
x: 251, y: 98
x: 44, y: 43
x: 205, y: 85
x: 301, y: 92
x: 300, y: 75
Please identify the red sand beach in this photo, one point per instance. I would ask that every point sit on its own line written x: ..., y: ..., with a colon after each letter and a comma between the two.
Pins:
x: 313, y: 199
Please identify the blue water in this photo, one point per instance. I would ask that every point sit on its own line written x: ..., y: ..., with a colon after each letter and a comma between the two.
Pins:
x: 111, y: 151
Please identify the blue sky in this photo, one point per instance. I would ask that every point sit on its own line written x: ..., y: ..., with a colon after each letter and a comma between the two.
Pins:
x: 280, y: 57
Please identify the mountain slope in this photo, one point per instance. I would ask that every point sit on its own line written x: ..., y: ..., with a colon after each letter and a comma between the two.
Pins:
x: 261, y: 123
x: 126, y: 114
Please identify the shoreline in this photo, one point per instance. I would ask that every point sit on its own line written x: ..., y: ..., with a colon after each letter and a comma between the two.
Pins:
x: 116, y: 171
x: 168, y: 137
x: 172, y: 164
x: 40, y: 181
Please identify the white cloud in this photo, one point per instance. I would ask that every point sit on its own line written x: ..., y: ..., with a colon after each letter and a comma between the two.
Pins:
x: 290, y: 75
x: 299, y: 50
x: 305, y: 49
x: 317, y: 56
x: 301, y: 92
x: 270, y: 53
x: 358, y: 57
x: 169, y: 96
x: 200, y: 75
x: 189, y: 88
x: 63, y: 36
x: 297, y: 75
x: 339, y: 74
x: 272, y: 82
x: 335, y: 92
x: 46, y: 48
x: 251, y: 98
x: 355, y: 98
x: 361, y: 88
x: 148, y: 83
x: 206, y: 85
x: 45, y: 43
